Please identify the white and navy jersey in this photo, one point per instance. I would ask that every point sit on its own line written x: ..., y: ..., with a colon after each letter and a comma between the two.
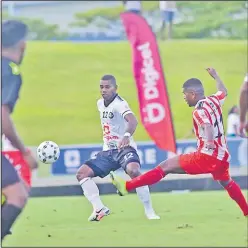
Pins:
x: 113, y: 122
x: 208, y: 111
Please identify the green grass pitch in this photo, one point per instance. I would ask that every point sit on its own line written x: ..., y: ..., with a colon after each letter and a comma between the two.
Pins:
x: 61, y: 84
x: 207, y: 219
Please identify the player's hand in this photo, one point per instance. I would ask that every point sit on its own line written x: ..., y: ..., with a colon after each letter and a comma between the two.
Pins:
x: 124, y: 142
x: 212, y: 72
x: 30, y: 159
x: 242, y: 128
x: 210, y: 145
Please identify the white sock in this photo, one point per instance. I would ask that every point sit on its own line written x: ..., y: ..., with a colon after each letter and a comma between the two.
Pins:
x: 91, y: 192
x: 145, y: 197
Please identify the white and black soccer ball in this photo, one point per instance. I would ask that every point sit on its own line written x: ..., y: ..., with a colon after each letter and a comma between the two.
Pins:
x: 48, y: 152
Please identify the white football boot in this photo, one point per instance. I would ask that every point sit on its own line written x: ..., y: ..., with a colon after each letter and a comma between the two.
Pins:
x: 98, y: 215
x: 151, y: 215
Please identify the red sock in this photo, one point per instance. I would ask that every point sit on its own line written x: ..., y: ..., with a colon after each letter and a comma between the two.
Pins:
x: 235, y: 193
x: 151, y: 177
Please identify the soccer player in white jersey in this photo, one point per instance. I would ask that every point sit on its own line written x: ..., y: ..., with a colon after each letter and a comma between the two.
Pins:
x: 119, y: 150
x: 212, y: 155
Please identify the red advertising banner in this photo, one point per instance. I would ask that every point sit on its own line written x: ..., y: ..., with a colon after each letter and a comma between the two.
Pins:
x: 150, y: 81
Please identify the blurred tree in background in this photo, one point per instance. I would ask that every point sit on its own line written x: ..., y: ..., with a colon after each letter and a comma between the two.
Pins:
x: 227, y: 19
x: 194, y: 20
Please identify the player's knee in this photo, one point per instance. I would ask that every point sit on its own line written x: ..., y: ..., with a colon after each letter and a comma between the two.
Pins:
x: 133, y: 170
x: 166, y: 167
x: 83, y: 172
x: 18, y: 197
x: 224, y: 183
x: 171, y: 166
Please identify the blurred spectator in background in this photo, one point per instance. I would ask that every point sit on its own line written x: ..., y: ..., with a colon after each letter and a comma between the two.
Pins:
x: 133, y: 6
x: 168, y: 9
x: 233, y: 122
x: 243, y: 105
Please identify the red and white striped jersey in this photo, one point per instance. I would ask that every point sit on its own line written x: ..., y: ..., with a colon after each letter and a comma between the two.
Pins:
x: 208, y: 111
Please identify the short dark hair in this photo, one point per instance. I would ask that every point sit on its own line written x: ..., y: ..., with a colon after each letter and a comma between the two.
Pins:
x: 194, y: 84
x: 13, y: 31
x: 110, y: 78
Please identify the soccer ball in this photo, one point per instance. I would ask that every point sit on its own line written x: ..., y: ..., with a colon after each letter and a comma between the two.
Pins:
x: 48, y: 152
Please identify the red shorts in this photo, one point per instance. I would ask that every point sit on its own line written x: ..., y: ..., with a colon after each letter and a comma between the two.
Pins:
x: 21, y: 166
x: 199, y: 163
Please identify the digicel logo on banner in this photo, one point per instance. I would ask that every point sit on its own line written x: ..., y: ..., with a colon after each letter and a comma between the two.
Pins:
x: 155, y: 111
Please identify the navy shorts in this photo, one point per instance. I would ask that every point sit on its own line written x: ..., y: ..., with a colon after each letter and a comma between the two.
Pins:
x: 168, y: 16
x: 106, y: 161
x: 9, y: 174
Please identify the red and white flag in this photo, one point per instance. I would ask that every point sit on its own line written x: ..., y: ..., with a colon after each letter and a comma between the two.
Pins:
x: 150, y: 81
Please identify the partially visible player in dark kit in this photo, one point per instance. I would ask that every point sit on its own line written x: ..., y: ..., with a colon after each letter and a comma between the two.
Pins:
x: 13, y: 189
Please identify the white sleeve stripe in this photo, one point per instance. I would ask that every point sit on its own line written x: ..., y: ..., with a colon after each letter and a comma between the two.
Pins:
x: 126, y: 112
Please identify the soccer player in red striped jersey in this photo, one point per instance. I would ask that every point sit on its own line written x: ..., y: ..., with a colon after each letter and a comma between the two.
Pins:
x: 212, y: 154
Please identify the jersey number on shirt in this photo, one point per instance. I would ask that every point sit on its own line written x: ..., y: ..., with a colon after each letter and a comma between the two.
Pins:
x: 106, y: 114
x: 219, y: 125
x: 128, y: 156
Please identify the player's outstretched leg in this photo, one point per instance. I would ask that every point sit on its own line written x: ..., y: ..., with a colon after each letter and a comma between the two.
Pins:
x: 133, y: 170
x: 236, y: 194
x: 91, y: 192
x: 151, y: 177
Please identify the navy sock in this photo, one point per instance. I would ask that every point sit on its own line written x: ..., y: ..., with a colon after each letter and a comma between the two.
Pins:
x: 9, y: 215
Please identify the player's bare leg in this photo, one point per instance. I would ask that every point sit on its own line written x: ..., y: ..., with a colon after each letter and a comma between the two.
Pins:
x: 133, y: 170
x: 235, y: 193
x: 151, y: 177
x: 91, y: 192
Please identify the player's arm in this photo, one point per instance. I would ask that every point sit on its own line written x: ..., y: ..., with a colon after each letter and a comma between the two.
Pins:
x: 243, y: 101
x: 10, y: 92
x: 209, y: 132
x: 9, y: 130
x: 131, y: 120
x: 243, y: 105
x: 202, y: 119
x: 131, y: 123
x: 219, y: 83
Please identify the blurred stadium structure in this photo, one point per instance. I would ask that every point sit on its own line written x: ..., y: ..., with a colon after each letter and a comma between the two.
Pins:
x: 99, y: 21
